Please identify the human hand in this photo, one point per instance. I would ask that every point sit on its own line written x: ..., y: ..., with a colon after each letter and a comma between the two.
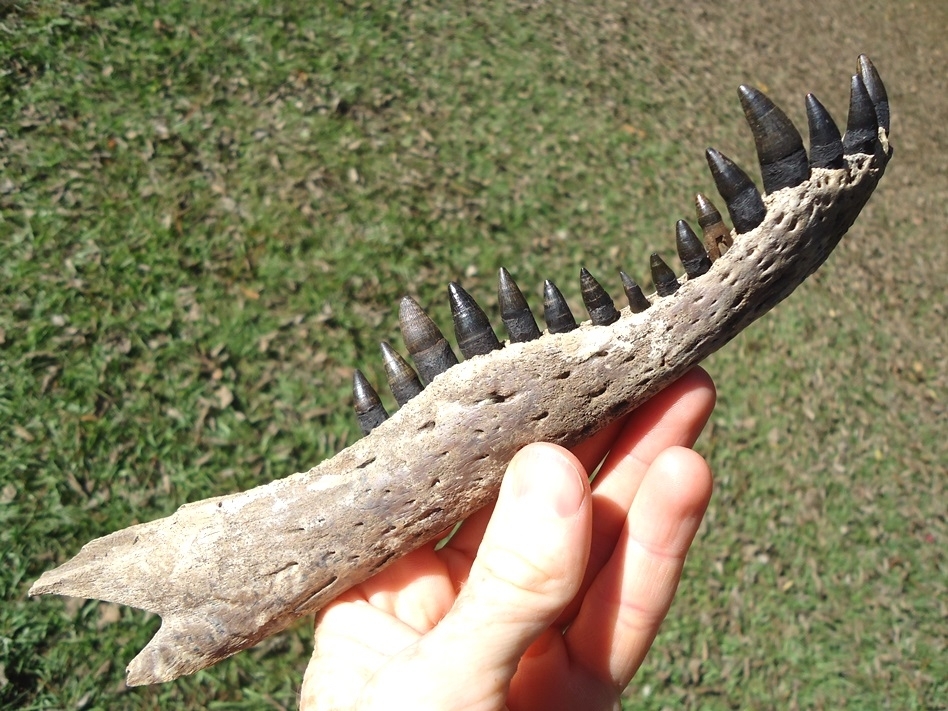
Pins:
x: 548, y: 600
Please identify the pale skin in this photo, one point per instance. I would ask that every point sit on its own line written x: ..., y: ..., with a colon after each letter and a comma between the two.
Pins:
x: 548, y: 600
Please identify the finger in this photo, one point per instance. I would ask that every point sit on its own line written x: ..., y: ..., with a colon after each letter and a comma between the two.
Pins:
x: 627, y: 602
x: 528, y: 567
x: 643, y: 433
x: 467, y: 539
x: 352, y: 640
x: 674, y: 417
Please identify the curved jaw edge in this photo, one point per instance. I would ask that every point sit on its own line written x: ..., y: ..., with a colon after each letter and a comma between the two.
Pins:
x: 226, y: 572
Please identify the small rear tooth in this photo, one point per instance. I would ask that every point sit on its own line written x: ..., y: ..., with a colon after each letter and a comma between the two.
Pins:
x: 666, y: 283
x: 876, y: 90
x: 862, y: 126
x: 826, y: 146
x: 366, y: 402
x: 514, y: 310
x: 633, y: 292
x: 559, y: 319
x: 471, y: 326
x: 425, y: 342
x: 743, y: 200
x: 783, y: 162
x: 601, y: 308
x: 402, y: 379
x: 691, y: 252
x: 717, y: 237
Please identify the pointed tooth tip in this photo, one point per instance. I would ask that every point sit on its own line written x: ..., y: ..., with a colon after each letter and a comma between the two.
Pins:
x: 744, y: 202
x: 780, y: 152
x: 876, y: 90
x: 826, y: 144
x: 862, y: 124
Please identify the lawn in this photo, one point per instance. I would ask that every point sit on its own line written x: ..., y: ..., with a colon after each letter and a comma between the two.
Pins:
x: 208, y: 214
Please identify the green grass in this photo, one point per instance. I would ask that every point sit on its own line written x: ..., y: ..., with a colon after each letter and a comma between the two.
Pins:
x: 208, y: 213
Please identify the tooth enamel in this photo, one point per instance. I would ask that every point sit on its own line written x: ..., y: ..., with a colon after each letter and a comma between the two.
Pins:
x: 601, y: 308
x: 425, y: 342
x: 556, y: 313
x: 514, y: 310
x: 783, y: 161
x: 402, y: 379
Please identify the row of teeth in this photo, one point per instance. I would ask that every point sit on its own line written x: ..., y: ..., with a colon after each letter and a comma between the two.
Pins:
x: 783, y: 164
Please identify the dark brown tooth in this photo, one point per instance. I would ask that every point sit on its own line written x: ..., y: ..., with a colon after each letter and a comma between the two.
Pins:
x: 514, y: 311
x: 365, y: 400
x: 876, y: 90
x: 783, y: 161
x: 425, y: 342
x: 559, y: 319
x: 471, y: 326
x: 633, y: 292
x: 402, y: 379
x: 717, y: 237
x: 862, y: 126
x: 601, y: 308
x: 826, y: 146
x: 666, y: 283
x: 744, y: 203
x: 691, y: 252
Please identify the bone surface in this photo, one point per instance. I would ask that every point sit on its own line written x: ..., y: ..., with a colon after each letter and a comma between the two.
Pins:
x: 226, y: 572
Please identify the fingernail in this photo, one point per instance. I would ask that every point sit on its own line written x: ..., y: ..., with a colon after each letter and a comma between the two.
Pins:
x: 549, y: 479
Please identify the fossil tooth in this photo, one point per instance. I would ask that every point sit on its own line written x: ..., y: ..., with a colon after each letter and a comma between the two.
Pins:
x: 826, y: 145
x: 690, y: 250
x: 743, y: 200
x: 514, y: 310
x: 717, y: 237
x: 862, y: 126
x: 876, y: 90
x: 633, y: 292
x: 602, y: 310
x: 402, y: 379
x: 368, y: 406
x: 559, y: 319
x: 666, y: 283
x: 783, y: 161
x: 425, y: 342
x: 471, y: 326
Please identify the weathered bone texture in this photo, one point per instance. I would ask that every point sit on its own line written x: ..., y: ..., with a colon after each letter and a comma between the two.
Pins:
x: 226, y: 572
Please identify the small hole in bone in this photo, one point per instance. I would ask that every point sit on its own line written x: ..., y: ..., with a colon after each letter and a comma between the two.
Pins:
x: 429, y: 425
x: 563, y: 375
x: 540, y: 416
x: 598, y: 391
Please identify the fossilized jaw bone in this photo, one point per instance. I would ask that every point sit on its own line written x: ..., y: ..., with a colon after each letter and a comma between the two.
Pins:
x: 226, y: 572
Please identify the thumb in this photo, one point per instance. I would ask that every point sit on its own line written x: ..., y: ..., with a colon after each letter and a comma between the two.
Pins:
x: 529, y: 566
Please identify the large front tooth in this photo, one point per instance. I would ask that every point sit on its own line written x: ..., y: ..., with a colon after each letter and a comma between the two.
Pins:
x: 633, y: 292
x: 556, y: 313
x: 425, y: 342
x: 743, y: 200
x: 666, y: 283
x: 402, y: 379
x: 691, y: 252
x: 876, y: 90
x: 783, y: 162
x: 826, y: 145
x: 717, y: 237
x: 514, y: 310
x: 601, y: 308
x: 471, y: 326
x: 862, y: 126
x: 366, y: 402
